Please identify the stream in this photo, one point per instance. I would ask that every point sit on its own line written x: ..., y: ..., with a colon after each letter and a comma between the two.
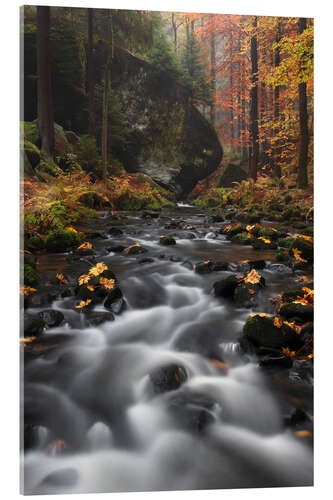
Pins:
x: 96, y: 420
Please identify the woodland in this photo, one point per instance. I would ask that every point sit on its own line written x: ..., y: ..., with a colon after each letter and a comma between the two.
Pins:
x: 167, y: 250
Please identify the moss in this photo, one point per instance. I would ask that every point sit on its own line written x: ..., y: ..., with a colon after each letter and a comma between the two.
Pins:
x: 285, y: 242
x: 282, y: 257
x: 241, y: 239
x: 46, y: 169
x: 270, y: 234
x: 262, y: 332
x: 31, y: 276
x: 28, y: 170
x: 62, y: 240
x: 34, y: 243
x: 291, y: 310
x: 31, y: 133
x: 259, y: 244
x: 304, y: 246
x: 32, y: 153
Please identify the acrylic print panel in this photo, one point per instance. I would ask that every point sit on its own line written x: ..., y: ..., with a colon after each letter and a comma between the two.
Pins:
x: 167, y: 284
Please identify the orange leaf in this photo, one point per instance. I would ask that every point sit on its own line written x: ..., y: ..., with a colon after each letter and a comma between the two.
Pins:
x: 61, y: 278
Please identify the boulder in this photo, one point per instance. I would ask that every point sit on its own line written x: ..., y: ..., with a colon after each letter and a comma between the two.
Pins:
x: 62, y: 240
x: 232, y: 174
x: 305, y: 247
x: 300, y: 311
x: 96, y: 318
x: 51, y: 317
x: 262, y: 331
x: 33, y: 325
x: 170, y: 140
x: 226, y: 287
x: 263, y: 244
x: 167, y: 240
x: 167, y: 378
x: 204, y: 267
x: 115, y: 231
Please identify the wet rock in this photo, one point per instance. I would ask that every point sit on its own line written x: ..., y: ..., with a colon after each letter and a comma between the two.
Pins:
x: 241, y: 239
x: 60, y: 478
x: 299, y: 418
x: 167, y: 240
x: 96, y: 318
x: 52, y: 317
x: 257, y: 264
x: 280, y: 269
x: 150, y: 214
x: 263, y: 244
x: 62, y: 241
x: 146, y: 260
x: 172, y: 225
x: 204, y: 267
x: 282, y: 257
x: 276, y: 361
x: 192, y: 411
x: 175, y: 258
x: 244, y: 294
x: 186, y: 236
x: 229, y: 232
x: 83, y: 252
x: 33, y: 325
x: 220, y: 266
x: 306, y: 334
x: 249, y: 218
x: 292, y: 311
x: 269, y: 233
x: 115, y: 231
x: 226, y: 287
x: 216, y: 218
x: 188, y: 265
x: 115, y: 301
x: 116, y: 248
x: 304, y: 246
x: 167, y: 378
x: 262, y: 332
x: 211, y: 236
x: 135, y: 249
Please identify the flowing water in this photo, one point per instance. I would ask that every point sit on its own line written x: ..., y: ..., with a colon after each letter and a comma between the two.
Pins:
x: 97, y: 423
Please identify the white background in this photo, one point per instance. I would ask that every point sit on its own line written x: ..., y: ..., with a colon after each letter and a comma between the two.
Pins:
x: 9, y: 234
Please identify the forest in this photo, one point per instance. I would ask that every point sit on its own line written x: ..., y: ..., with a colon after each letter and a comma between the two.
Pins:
x: 167, y: 250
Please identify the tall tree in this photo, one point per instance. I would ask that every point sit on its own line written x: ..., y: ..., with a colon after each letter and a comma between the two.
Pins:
x: 106, y: 93
x: 91, y: 74
x: 212, y: 71
x: 254, y: 132
x: 44, y: 84
x: 277, y: 60
x: 302, y: 177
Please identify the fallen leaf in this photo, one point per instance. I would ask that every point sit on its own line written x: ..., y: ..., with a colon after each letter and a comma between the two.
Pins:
x: 304, y: 433
x: 83, y: 303
x: 83, y: 279
x: 297, y: 255
x: 219, y: 364
x: 265, y: 240
x: 85, y: 246
x: 61, y: 278
x: 107, y: 283
x: 278, y: 322
x: 287, y: 352
x: 252, y: 278
x: 98, y: 269
x: 27, y: 290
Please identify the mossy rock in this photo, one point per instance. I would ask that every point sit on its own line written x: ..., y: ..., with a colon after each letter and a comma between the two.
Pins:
x: 285, y: 242
x: 249, y: 218
x: 238, y: 228
x: 241, y: 239
x: 226, y: 287
x: 270, y: 234
x: 34, y: 243
x: 27, y: 167
x: 31, y: 132
x: 135, y: 250
x: 61, y: 241
x: 30, y: 259
x: 292, y: 310
x: 305, y: 247
x: 216, y: 218
x: 31, y: 276
x: 262, y: 332
x: 167, y: 240
x: 292, y: 295
x: 204, y: 267
x: 32, y: 153
x: 291, y: 213
x: 282, y: 256
x: 259, y: 244
x: 46, y: 169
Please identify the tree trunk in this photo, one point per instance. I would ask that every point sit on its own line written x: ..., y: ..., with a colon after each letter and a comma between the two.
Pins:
x: 277, y: 144
x: 302, y: 177
x: 254, y: 105
x: 212, y: 74
x: 174, y: 27
x: 44, y: 84
x: 91, y: 74
x: 105, y: 110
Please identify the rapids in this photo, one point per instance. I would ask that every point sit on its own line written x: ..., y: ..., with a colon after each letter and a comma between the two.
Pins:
x: 96, y: 424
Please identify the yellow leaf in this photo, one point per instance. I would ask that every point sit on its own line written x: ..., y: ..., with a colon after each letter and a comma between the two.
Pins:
x: 304, y: 433
x: 252, y: 278
x: 227, y: 228
x: 260, y: 315
x: 249, y: 227
x: 98, y: 269
x: 26, y: 340
x: 306, y: 238
x: 85, y: 246
x: 297, y: 255
x: 287, y: 352
x: 91, y: 288
x: 61, y: 278
x: 27, y: 290
x: 83, y: 303
x: 70, y: 228
x: 278, y: 322
x: 107, y: 283
x: 265, y: 240
x: 83, y: 279
x: 126, y: 250
x: 219, y: 364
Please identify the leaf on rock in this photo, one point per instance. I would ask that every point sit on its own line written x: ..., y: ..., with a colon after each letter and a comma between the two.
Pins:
x: 61, y: 278
x: 83, y: 303
x: 85, y: 246
x: 219, y: 364
x: 278, y: 322
x: 83, y: 279
x: 107, y: 283
x: 98, y: 269
x: 252, y: 278
x: 287, y: 352
x: 297, y: 255
x: 27, y: 290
